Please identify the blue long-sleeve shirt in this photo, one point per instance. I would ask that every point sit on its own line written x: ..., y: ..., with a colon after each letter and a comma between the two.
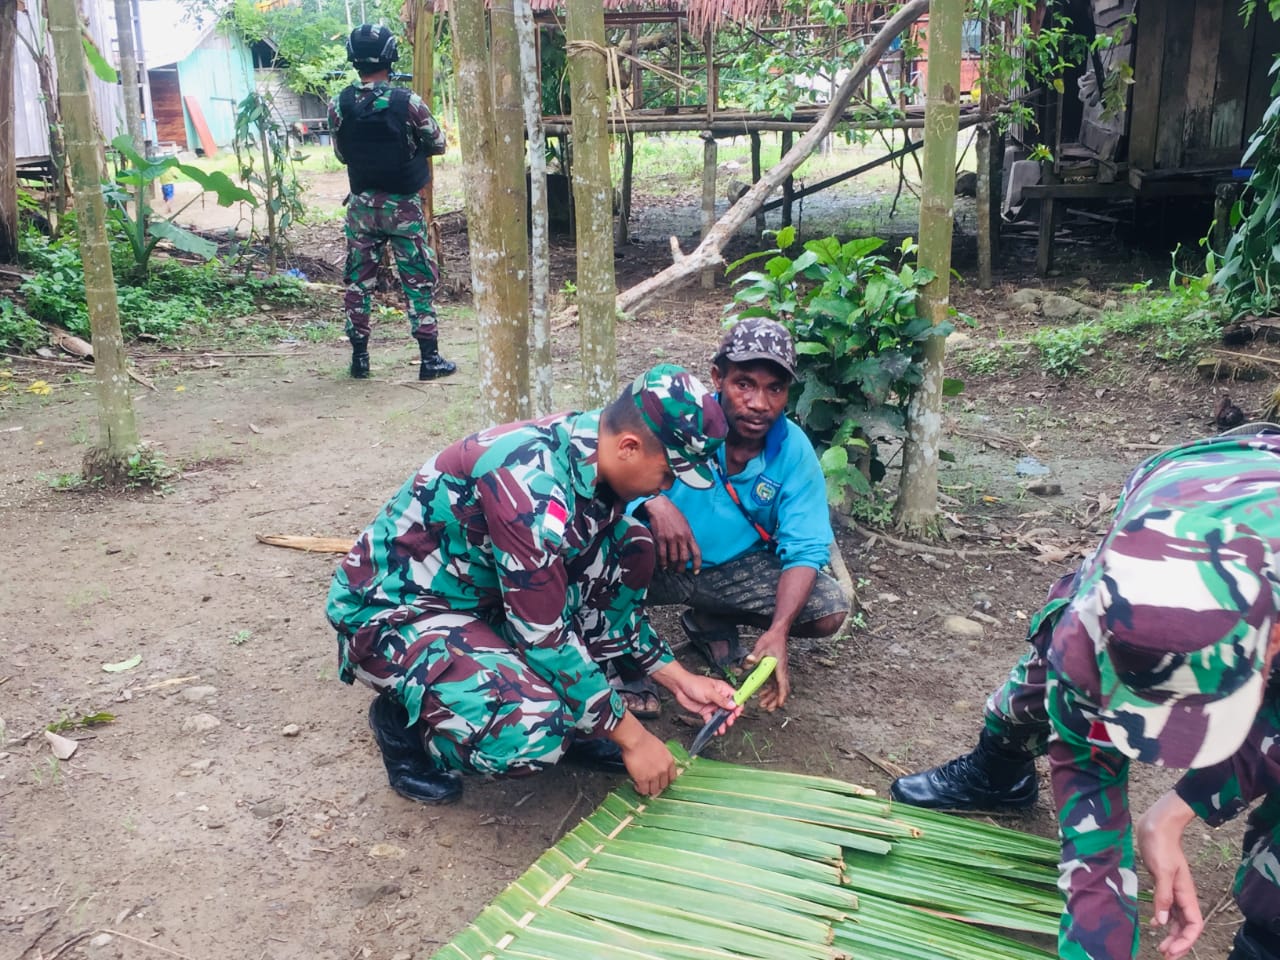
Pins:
x: 783, y: 490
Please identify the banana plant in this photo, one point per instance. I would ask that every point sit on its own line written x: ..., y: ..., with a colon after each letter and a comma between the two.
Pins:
x: 134, y: 220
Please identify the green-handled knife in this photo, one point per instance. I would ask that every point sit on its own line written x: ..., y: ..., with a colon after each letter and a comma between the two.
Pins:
x: 754, y: 681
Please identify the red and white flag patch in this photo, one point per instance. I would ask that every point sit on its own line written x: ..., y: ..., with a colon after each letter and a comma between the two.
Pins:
x: 554, y: 519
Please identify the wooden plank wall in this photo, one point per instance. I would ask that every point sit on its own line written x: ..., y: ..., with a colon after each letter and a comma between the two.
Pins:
x: 166, y: 102
x: 1200, y: 83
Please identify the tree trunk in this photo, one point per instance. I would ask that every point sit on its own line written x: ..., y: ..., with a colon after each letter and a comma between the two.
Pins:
x: 707, y: 253
x: 117, y: 431
x: 129, y: 75
x: 512, y: 227
x: 984, y: 205
x: 592, y: 200
x: 129, y: 89
x: 8, y: 148
x: 268, y: 186
x: 498, y: 356
x: 541, y: 373
x: 421, y: 27
x: 917, y: 507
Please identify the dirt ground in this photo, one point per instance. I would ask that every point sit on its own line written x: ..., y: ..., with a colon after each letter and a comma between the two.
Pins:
x: 237, y: 808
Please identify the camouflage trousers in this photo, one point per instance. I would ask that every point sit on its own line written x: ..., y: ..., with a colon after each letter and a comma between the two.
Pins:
x: 479, y: 706
x: 1025, y: 715
x: 372, y: 224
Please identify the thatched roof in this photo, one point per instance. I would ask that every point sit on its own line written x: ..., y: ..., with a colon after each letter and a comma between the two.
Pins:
x: 701, y: 14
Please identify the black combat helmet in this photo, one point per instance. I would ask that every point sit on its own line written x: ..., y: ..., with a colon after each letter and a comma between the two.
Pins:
x: 371, y: 44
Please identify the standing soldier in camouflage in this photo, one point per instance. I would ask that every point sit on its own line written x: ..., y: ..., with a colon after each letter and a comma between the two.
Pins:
x: 487, y: 595
x: 1160, y: 648
x: 384, y: 135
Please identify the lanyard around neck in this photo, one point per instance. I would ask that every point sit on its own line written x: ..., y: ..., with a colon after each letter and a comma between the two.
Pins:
x: 733, y: 495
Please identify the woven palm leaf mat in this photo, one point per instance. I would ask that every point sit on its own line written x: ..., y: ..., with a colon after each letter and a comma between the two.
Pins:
x: 737, y: 862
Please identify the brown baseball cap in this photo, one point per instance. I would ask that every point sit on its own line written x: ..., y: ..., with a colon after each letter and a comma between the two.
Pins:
x: 758, y: 338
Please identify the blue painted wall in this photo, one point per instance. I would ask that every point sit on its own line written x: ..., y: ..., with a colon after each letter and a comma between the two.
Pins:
x: 219, y: 74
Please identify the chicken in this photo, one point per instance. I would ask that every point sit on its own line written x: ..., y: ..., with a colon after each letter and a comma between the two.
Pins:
x: 1226, y: 414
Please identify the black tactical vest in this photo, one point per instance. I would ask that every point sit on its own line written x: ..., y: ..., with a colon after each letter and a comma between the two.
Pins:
x: 375, y: 146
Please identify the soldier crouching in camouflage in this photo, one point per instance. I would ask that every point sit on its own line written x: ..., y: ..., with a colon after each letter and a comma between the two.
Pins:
x: 384, y: 135
x: 1160, y: 648
x: 484, y: 600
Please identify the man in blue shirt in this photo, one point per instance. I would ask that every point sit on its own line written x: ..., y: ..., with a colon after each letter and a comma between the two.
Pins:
x: 750, y: 549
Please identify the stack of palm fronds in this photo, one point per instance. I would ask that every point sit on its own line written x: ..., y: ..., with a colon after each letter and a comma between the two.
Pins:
x: 733, y: 862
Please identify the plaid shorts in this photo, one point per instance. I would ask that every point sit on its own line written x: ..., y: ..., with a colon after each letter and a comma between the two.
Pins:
x: 747, y: 585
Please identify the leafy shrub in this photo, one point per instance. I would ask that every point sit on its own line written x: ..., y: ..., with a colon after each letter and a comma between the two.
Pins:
x: 18, y: 329
x: 172, y: 300
x: 859, y: 344
x: 1063, y: 349
x: 1250, y: 271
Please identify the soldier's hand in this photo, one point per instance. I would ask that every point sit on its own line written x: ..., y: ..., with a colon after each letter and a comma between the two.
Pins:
x: 672, y: 536
x: 699, y: 694
x: 1159, y: 836
x: 647, y: 759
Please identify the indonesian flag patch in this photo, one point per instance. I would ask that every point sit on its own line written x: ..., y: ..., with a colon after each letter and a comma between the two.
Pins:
x: 554, y: 518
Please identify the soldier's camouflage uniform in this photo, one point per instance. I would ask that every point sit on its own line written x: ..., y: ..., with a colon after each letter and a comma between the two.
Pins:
x: 1202, y: 522
x: 489, y: 590
x: 377, y: 218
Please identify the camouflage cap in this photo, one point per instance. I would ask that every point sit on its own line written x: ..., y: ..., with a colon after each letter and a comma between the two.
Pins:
x: 685, y: 417
x: 758, y: 338
x: 1176, y: 625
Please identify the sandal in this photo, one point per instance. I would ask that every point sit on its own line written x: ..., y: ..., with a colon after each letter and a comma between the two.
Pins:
x: 640, y: 696
x: 702, y: 639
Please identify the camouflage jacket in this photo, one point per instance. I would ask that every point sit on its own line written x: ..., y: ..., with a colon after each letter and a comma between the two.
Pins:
x: 492, y: 526
x: 1200, y: 491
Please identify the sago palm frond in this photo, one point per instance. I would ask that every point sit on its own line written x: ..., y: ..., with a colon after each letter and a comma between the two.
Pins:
x: 732, y: 863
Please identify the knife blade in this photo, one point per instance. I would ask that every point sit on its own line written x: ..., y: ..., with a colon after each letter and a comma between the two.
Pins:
x: 754, y: 681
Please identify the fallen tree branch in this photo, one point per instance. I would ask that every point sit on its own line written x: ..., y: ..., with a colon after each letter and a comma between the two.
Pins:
x: 309, y: 544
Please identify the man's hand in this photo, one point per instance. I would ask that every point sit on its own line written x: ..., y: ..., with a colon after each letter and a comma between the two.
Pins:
x: 675, y: 544
x: 699, y: 694
x: 1159, y: 836
x: 773, y: 643
x: 647, y: 759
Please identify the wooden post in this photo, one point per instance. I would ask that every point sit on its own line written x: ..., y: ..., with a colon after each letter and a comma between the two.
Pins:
x: 708, y: 199
x: 621, y: 228
x: 789, y: 184
x: 1044, y: 247
x: 637, y: 72
x: 755, y: 177
x: 712, y: 93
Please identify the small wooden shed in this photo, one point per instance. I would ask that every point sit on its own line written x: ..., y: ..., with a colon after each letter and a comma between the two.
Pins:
x: 198, y: 73
x: 1199, y: 88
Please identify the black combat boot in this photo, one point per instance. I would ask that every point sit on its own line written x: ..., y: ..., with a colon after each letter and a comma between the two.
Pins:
x: 598, y: 754
x: 360, y: 357
x: 1255, y: 942
x: 987, y: 778
x: 410, y: 770
x: 433, y: 365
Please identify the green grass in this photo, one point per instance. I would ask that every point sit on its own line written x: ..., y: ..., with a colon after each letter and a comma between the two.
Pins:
x: 1170, y: 326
